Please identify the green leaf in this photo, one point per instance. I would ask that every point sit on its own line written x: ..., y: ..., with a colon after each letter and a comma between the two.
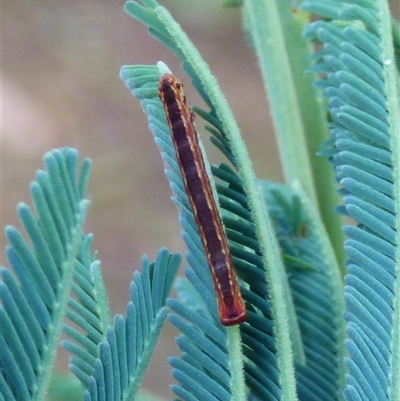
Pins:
x: 361, y: 88
x: 122, y: 359
x: 157, y: 122
x: 317, y: 294
x: 274, y: 30
x: 245, y: 248
x: 303, y: 241
x: 35, y: 291
x: 199, y: 71
x: 89, y: 311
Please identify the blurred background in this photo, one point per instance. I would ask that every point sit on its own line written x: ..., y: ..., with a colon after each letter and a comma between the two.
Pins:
x: 60, y: 87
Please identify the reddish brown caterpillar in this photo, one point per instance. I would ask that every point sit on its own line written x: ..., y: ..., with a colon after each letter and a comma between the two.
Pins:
x: 180, y: 118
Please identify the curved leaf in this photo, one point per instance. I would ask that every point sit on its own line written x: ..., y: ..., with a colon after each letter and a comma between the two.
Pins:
x: 196, y: 257
x: 178, y: 41
x: 198, y: 342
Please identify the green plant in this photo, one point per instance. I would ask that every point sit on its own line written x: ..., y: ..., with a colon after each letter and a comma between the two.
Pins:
x: 285, y: 239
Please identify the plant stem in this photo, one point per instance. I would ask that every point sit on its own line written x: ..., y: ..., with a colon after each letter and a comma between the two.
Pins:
x: 238, y: 386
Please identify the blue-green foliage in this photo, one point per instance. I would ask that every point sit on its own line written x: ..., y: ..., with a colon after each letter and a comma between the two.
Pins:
x: 202, y: 316
x: 309, y: 281
x: 34, y: 292
x: 262, y: 375
x: 142, y: 81
x: 56, y: 276
x: 311, y: 289
x: 114, y: 368
x: 203, y: 339
x: 396, y: 40
x: 360, y: 151
x: 88, y: 310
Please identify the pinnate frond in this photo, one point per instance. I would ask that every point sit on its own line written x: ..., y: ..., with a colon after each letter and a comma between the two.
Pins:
x: 198, y: 319
x: 117, y: 368
x: 311, y: 273
x: 35, y: 290
x: 88, y: 309
x: 356, y: 61
x: 143, y: 84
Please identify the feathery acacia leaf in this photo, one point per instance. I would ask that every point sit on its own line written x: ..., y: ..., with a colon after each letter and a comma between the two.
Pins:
x: 205, y: 315
x: 89, y: 311
x: 315, y: 294
x: 310, y: 287
x: 34, y: 293
x: 364, y: 130
x: 356, y: 62
x: 346, y: 88
x: 200, y: 315
x: 208, y: 87
x: 116, y: 371
x: 317, y: 311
